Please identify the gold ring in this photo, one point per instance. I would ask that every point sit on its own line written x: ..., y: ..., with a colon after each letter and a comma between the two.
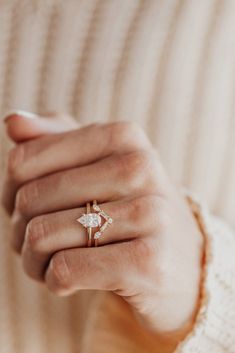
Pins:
x: 89, y: 230
x: 97, y: 219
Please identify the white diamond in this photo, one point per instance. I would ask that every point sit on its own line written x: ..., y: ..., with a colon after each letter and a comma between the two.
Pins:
x: 97, y: 235
x: 96, y: 208
x: 90, y: 220
x: 110, y: 221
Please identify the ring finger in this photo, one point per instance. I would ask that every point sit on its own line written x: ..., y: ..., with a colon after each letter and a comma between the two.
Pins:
x: 111, y: 179
x: 53, y: 232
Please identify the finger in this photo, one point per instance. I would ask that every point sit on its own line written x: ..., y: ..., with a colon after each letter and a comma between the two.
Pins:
x: 75, y: 148
x: 49, y: 154
x: 50, y: 233
x: 22, y: 126
x: 111, y: 179
x: 110, y: 267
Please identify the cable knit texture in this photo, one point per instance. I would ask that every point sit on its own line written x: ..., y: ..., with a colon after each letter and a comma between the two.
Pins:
x: 214, y: 327
x: 168, y: 65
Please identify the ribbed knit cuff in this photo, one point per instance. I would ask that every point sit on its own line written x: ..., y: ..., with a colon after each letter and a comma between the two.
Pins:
x: 214, y: 329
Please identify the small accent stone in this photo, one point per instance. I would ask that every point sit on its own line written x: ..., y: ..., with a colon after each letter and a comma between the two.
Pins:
x: 96, y: 208
x: 110, y: 220
x: 97, y: 235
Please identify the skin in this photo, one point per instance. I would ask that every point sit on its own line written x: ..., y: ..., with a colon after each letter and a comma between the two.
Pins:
x: 152, y: 253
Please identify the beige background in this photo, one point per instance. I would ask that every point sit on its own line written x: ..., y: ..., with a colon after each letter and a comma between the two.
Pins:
x: 169, y: 65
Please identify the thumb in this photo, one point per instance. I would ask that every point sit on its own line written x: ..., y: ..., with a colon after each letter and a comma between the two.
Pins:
x: 22, y: 126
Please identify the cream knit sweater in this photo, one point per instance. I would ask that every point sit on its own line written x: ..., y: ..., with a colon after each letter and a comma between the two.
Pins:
x: 169, y: 65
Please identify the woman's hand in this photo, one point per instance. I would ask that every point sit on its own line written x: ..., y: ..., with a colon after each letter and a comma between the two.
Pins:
x: 151, y: 255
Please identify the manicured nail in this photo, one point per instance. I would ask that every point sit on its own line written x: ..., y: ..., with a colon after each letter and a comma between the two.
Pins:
x: 20, y: 113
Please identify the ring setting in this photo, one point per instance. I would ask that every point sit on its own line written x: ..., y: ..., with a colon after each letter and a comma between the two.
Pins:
x: 97, y: 219
x: 92, y: 220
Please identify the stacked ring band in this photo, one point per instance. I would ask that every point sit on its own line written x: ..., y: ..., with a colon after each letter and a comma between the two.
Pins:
x: 89, y: 229
x: 97, y: 220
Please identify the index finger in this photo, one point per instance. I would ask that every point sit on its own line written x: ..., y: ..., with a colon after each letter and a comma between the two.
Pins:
x: 49, y: 154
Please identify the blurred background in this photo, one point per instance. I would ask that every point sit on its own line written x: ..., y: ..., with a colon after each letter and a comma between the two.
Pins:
x: 168, y: 65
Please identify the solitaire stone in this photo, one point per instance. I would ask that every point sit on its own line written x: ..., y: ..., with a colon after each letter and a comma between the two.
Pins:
x: 90, y: 220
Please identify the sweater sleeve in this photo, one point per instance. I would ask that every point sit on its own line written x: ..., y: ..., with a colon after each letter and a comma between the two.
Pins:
x: 214, y: 329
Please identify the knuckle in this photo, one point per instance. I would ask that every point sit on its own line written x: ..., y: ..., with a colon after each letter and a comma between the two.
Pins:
x: 134, y: 167
x: 24, y: 197
x: 60, y: 273
x: 143, y: 254
x: 150, y: 214
x: 22, y: 200
x: 36, y: 232
x: 137, y: 211
x: 14, y: 163
x: 143, y: 249
x: 125, y: 128
x: 126, y: 133
x: 142, y: 212
x: 95, y: 126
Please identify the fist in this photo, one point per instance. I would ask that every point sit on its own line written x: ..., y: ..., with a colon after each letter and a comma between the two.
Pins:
x: 150, y: 255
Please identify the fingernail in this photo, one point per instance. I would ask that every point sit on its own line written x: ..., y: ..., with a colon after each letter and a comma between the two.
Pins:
x: 20, y: 113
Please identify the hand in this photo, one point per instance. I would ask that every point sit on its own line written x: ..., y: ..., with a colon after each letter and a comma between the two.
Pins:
x: 151, y: 255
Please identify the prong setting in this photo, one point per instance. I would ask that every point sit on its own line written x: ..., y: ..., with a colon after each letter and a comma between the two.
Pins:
x: 94, y: 220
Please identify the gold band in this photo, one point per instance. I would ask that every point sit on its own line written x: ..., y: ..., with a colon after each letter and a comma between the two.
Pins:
x: 96, y: 240
x: 89, y: 230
